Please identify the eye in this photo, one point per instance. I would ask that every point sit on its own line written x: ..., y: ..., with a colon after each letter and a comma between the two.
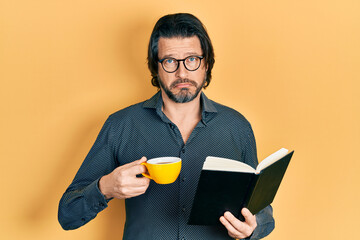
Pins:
x: 169, y: 61
x: 192, y: 59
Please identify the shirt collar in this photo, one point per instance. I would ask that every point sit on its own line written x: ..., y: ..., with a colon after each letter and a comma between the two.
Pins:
x: 207, y: 105
x: 154, y: 102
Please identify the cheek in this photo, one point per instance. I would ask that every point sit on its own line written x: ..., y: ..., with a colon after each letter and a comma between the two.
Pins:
x: 201, y: 73
x: 165, y: 77
x: 203, y: 68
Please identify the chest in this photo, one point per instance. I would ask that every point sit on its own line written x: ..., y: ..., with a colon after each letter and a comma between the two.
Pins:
x: 167, y: 139
x: 186, y: 128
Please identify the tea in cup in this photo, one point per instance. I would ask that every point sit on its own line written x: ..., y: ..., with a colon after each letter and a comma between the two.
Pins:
x: 163, y: 170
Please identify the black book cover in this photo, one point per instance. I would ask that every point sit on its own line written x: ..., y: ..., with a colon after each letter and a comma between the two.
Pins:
x: 221, y: 191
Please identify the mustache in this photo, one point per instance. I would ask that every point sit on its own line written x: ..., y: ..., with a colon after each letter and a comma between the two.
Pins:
x: 178, y: 81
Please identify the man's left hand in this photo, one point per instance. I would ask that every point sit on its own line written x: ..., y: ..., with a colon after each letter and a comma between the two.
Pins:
x: 236, y: 228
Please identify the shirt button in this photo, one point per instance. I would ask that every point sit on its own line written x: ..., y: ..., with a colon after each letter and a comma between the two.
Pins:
x: 183, y: 179
x: 101, y: 204
x: 183, y: 209
x: 183, y: 150
x: 83, y: 219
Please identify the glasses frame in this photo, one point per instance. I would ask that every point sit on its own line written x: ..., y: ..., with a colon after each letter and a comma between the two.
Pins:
x: 178, y: 63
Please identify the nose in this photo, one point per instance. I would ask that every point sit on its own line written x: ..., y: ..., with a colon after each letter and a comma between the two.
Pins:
x: 181, y: 72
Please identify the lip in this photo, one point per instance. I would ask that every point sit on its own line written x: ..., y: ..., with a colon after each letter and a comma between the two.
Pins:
x: 183, y: 85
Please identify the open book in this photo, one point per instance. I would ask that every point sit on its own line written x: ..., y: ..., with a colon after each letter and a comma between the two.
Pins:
x: 230, y: 185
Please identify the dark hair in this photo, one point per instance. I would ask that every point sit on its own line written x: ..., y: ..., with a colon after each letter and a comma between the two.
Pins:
x: 179, y: 25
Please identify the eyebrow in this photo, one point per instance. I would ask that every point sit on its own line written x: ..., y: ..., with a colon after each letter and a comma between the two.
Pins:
x: 188, y: 55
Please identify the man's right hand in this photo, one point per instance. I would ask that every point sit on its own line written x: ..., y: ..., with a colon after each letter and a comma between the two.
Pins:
x: 122, y: 182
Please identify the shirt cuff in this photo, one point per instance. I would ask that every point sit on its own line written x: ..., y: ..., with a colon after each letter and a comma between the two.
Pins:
x: 94, y: 198
x: 262, y: 231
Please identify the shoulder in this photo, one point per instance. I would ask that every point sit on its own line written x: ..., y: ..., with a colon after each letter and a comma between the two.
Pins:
x: 230, y: 115
x: 127, y: 112
x: 137, y: 111
x: 128, y: 115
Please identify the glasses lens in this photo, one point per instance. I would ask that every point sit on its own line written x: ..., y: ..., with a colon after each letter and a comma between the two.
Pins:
x: 192, y: 63
x: 170, y: 64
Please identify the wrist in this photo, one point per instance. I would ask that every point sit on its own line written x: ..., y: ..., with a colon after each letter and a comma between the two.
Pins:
x: 104, y: 188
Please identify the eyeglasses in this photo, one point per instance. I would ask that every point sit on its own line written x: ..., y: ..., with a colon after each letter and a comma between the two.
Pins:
x: 191, y: 63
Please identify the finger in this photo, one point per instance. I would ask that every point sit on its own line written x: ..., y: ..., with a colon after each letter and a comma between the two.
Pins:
x: 142, y: 181
x: 133, y: 192
x: 231, y: 230
x: 139, y: 190
x: 250, y: 219
x: 236, y: 223
x: 136, y: 183
x: 136, y: 170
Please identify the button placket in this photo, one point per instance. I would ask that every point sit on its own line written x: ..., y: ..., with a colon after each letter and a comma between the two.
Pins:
x: 183, y: 208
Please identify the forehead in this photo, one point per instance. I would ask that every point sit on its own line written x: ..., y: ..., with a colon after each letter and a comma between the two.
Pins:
x: 179, y: 47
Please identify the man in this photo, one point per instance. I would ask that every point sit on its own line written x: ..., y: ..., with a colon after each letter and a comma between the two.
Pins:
x: 177, y: 121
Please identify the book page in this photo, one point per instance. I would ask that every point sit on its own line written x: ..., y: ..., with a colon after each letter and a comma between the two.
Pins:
x: 225, y: 164
x: 271, y: 159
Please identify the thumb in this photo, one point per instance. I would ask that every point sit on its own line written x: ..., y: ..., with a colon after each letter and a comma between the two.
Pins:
x: 136, y: 162
x: 249, y: 217
x: 136, y: 167
x: 128, y: 166
x: 141, y: 160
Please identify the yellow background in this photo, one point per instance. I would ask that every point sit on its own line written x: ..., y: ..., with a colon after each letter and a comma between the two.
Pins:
x: 291, y: 67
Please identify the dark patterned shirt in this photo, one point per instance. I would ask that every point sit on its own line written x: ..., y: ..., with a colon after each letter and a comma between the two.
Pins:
x: 162, y: 211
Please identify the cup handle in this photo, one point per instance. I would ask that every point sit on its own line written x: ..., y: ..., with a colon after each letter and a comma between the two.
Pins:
x: 144, y: 174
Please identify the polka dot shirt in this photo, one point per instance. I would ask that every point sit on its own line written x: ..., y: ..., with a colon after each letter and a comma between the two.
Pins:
x: 162, y: 212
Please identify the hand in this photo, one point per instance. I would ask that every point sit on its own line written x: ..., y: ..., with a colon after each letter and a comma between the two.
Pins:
x: 122, y: 182
x: 236, y: 228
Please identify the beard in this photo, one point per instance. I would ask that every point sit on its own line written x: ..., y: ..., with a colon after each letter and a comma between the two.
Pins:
x: 184, y: 95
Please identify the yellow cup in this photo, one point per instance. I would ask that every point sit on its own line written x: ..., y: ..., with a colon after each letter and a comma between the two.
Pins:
x: 163, y: 170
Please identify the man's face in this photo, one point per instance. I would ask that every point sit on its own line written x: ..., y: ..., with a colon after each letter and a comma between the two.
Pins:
x: 182, y: 85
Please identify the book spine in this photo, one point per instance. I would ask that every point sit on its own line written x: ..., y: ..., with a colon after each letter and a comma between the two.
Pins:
x: 249, y: 194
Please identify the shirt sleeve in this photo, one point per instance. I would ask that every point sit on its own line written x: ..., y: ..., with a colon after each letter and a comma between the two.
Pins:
x: 265, y: 224
x: 82, y: 200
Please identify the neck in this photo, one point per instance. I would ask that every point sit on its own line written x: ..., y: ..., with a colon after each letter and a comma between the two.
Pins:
x: 179, y: 112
